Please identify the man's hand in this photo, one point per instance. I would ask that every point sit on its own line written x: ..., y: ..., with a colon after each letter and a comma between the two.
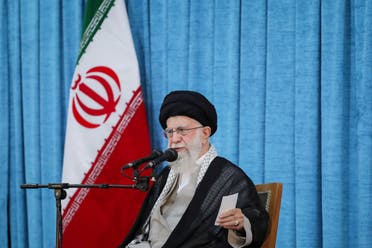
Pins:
x: 231, y: 219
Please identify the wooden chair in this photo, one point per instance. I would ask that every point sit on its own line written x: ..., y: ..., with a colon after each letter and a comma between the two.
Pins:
x: 271, y: 196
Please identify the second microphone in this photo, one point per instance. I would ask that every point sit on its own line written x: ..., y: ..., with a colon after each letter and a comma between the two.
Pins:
x: 169, y: 155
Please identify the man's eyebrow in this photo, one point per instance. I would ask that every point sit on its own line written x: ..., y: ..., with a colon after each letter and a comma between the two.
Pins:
x: 180, y: 126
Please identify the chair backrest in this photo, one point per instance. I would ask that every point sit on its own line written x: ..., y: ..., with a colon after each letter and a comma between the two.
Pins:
x: 271, y: 196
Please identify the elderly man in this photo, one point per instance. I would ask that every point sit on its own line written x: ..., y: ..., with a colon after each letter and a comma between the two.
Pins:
x: 182, y: 208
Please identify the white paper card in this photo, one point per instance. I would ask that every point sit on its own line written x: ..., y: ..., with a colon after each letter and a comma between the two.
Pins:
x: 228, y: 202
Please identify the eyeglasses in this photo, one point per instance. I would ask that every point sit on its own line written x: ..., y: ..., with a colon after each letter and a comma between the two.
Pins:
x: 168, y: 133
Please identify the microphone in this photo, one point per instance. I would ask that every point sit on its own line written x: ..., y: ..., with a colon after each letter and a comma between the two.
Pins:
x: 154, y: 154
x: 169, y: 155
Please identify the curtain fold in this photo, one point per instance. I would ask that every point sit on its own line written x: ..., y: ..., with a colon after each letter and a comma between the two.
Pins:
x: 16, y: 199
x: 360, y: 141
x: 4, y: 127
x: 335, y: 121
x: 225, y: 75
x: 252, y: 88
x: 29, y: 14
x: 279, y: 107
x: 291, y: 82
x: 307, y: 130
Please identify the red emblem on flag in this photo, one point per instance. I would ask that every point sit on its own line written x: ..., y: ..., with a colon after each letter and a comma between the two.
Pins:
x: 96, y: 96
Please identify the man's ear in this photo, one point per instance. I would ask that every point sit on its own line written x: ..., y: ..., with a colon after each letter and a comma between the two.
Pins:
x: 206, y: 133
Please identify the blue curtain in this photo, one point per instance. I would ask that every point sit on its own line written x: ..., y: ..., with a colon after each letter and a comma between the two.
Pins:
x: 291, y: 81
x: 39, y: 44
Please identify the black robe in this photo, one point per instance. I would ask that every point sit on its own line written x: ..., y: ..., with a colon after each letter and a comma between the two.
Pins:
x: 196, y: 227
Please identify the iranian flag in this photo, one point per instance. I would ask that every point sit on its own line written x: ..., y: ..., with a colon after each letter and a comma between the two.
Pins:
x: 106, y: 128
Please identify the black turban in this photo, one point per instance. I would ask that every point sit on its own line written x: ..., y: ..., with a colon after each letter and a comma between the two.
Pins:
x: 191, y: 104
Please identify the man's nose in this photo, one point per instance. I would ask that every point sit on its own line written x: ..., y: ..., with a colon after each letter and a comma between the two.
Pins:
x: 175, y: 138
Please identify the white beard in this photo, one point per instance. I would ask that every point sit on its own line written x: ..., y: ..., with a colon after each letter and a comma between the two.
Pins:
x: 186, y: 161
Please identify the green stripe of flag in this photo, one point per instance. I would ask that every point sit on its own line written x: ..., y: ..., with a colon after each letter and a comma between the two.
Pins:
x: 95, y: 13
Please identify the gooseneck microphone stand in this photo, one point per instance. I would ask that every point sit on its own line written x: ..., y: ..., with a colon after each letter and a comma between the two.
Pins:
x: 140, y: 183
